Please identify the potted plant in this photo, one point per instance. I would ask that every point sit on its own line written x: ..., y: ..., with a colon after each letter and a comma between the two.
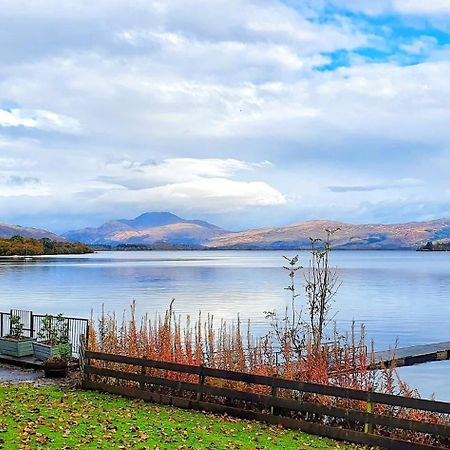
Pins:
x: 16, y: 344
x: 58, y: 366
x: 53, y: 333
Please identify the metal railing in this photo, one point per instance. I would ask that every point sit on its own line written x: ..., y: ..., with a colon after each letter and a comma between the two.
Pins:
x: 32, y: 324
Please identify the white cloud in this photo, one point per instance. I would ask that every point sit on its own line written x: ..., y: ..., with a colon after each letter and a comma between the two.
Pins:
x: 187, y: 183
x: 13, y: 163
x: 407, y: 7
x: 10, y: 190
x: 14, y: 118
x: 422, y: 6
x: 136, y: 175
x: 424, y: 44
x: 42, y: 119
x: 207, y: 195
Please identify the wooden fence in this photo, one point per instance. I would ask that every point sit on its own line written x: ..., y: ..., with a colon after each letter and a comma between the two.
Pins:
x: 272, y: 409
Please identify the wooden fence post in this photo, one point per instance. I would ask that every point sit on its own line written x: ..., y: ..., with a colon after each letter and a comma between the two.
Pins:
x: 274, y: 393
x: 81, y: 358
x: 143, y: 372
x: 201, y: 382
x: 368, y: 426
x: 87, y: 362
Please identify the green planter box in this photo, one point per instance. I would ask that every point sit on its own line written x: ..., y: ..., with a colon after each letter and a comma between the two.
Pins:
x: 17, y: 348
x: 43, y: 351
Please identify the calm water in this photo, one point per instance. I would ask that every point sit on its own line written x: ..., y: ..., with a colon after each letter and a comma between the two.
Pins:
x: 398, y: 295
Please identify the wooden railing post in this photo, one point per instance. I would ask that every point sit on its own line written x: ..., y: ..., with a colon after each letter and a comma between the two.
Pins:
x: 274, y: 393
x: 368, y: 426
x: 86, y: 361
x: 201, y: 382
x: 143, y: 373
x: 81, y: 361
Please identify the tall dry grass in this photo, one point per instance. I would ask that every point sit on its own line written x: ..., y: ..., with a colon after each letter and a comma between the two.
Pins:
x: 344, y: 362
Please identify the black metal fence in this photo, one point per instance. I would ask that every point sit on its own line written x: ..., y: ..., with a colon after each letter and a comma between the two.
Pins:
x: 32, y: 324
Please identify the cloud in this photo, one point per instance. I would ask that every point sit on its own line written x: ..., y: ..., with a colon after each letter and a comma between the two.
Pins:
x: 188, y: 184
x: 211, y: 195
x: 13, y: 119
x: 405, y: 7
x: 42, y: 119
x: 399, y: 184
x: 138, y: 175
x: 17, y: 192
x: 422, y: 6
x: 421, y: 45
x: 13, y: 163
x: 17, y: 180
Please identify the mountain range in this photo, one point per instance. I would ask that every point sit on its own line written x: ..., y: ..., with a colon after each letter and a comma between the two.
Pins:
x: 347, y: 236
x: 167, y: 229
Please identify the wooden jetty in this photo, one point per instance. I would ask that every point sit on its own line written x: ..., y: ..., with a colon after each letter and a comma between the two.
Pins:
x: 417, y: 354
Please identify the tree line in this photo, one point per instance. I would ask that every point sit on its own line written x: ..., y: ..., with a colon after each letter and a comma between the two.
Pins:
x: 27, y: 246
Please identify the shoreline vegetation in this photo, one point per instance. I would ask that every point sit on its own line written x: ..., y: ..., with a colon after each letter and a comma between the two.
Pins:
x: 161, y: 245
x: 435, y: 247
x: 24, y: 246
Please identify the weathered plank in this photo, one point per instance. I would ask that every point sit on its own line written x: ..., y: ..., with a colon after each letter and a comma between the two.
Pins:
x: 416, y: 354
x: 142, y: 362
x: 27, y: 362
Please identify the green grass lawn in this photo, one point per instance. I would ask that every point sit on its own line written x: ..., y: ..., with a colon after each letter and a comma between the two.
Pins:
x: 51, y: 417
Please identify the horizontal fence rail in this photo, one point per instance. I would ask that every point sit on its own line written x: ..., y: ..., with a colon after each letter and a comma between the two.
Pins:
x: 32, y: 323
x: 97, y: 377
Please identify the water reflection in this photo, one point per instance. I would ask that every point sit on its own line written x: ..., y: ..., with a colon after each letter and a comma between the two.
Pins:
x: 402, y: 295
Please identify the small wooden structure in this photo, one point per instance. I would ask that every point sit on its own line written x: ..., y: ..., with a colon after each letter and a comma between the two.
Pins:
x: 417, y: 354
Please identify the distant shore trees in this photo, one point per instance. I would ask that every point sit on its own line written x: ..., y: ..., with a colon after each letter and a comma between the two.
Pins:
x: 26, y: 246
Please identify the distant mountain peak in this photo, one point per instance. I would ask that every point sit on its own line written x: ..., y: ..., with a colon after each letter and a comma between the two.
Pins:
x: 147, y: 228
x: 152, y: 219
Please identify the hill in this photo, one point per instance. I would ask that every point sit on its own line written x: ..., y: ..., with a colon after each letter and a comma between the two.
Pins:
x: 7, y: 231
x: 348, y: 236
x: 149, y: 228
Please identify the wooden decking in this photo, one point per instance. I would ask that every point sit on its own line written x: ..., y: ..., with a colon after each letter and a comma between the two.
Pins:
x: 26, y: 362
x: 417, y: 354
x: 30, y: 362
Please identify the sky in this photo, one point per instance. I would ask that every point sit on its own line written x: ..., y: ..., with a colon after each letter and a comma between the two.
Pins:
x: 244, y: 113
